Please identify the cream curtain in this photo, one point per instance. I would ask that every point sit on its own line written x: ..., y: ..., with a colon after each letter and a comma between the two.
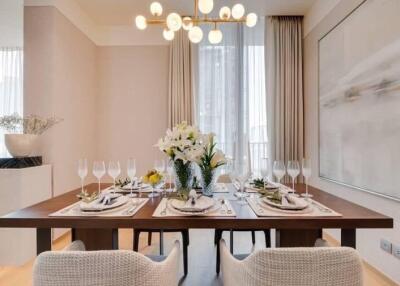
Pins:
x: 180, y: 94
x: 284, y: 63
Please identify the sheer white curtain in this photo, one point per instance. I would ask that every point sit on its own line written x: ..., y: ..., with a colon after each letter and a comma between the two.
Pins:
x: 231, y: 98
x: 11, y: 86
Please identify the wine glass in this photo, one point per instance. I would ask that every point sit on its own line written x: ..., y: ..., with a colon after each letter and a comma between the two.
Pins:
x: 114, y: 169
x: 159, y: 166
x: 264, y: 168
x: 293, y: 171
x: 131, y: 172
x: 279, y: 170
x: 82, y: 171
x: 99, y: 170
x: 170, y: 172
x: 242, y: 174
x: 306, y: 172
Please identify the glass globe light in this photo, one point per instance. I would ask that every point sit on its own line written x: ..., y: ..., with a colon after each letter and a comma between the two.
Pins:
x: 206, y: 6
x: 141, y: 22
x: 225, y: 13
x: 174, y: 22
x: 168, y: 34
x: 251, y: 20
x: 156, y: 9
x: 238, y: 11
x: 195, y: 35
x: 187, y: 23
x: 215, y: 36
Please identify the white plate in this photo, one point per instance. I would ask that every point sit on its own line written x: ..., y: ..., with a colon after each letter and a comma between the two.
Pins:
x: 307, y: 210
x: 214, y: 208
x: 300, y: 204
x: 203, y: 203
x: 96, y: 207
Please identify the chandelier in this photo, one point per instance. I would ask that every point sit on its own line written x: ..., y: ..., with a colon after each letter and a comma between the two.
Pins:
x: 191, y: 23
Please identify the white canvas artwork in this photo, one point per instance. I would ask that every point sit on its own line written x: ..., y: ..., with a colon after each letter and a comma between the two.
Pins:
x: 359, y: 99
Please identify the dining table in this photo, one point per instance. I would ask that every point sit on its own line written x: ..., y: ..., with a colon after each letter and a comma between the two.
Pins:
x: 101, y: 233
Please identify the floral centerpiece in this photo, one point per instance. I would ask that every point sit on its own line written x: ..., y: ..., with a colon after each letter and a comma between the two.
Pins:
x: 209, y: 162
x: 24, y: 131
x: 183, y: 145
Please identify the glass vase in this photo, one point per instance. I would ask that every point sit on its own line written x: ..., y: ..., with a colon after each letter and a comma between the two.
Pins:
x: 183, y: 177
x: 208, y: 180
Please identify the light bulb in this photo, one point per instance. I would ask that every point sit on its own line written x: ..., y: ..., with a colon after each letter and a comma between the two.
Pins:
x: 187, y: 23
x: 238, y: 11
x: 195, y: 35
x: 251, y: 20
x: 215, y: 36
x: 156, y: 9
x: 225, y: 13
x: 141, y: 22
x: 168, y: 34
x: 174, y: 22
x: 206, y: 6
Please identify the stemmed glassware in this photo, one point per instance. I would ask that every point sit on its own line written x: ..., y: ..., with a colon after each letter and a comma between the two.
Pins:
x: 293, y: 171
x: 242, y: 174
x: 114, y: 169
x: 99, y: 170
x: 170, y: 172
x: 159, y: 166
x: 131, y: 172
x: 306, y: 172
x: 264, y: 168
x: 279, y: 170
x: 82, y: 171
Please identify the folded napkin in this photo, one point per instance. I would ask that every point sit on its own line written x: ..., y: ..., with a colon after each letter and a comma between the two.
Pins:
x: 105, y: 201
x: 196, y: 203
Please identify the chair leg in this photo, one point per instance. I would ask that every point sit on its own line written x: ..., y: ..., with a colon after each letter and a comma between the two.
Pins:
x: 253, y: 237
x: 218, y: 263
x: 231, y: 240
x: 267, y: 238
x: 136, y: 235
x: 150, y: 234
x: 217, y: 236
x: 185, y: 242
x: 161, y: 242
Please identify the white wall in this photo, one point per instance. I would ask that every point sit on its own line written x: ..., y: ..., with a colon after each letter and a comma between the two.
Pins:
x: 367, y: 240
x: 11, y: 23
x: 316, y: 13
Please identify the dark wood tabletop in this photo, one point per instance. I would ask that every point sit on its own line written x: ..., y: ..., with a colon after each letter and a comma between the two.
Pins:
x: 353, y: 216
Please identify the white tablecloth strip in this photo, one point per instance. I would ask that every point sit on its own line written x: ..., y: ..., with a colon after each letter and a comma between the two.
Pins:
x: 126, y: 210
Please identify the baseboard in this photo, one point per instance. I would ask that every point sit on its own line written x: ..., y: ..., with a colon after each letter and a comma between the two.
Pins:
x: 332, y: 241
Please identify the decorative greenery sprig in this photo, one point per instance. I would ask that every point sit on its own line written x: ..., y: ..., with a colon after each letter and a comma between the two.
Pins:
x: 31, y: 124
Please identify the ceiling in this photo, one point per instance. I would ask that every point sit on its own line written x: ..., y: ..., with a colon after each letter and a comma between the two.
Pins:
x: 120, y: 12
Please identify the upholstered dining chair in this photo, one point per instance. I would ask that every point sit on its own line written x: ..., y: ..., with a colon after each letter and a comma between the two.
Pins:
x: 319, y: 266
x: 74, y: 266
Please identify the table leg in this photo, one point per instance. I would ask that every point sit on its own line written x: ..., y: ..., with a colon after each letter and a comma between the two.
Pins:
x: 297, y: 237
x: 43, y: 240
x: 348, y: 237
x: 97, y: 238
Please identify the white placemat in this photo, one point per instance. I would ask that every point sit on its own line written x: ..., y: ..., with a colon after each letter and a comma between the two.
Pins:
x: 163, y: 210
x: 127, y: 210
x: 314, y: 210
x: 221, y: 188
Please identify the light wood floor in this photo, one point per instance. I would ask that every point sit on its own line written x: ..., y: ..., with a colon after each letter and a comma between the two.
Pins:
x: 201, y: 258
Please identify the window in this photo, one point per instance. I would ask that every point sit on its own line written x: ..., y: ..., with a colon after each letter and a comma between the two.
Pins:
x: 11, y: 86
x: 231, y: 97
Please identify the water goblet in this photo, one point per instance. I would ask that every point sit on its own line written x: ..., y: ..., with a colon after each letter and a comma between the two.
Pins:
x: 279, y: 170
x: 131, y: 172
x: 82, y: 171
x: 99, y: 170
x: 306, y: 172
x: 293, y: 171
x: 114, y: 169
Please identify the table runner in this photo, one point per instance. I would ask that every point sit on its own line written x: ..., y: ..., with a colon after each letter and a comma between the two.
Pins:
x: 263, y: 210
x: 126, y: 210
x: 170, y: 212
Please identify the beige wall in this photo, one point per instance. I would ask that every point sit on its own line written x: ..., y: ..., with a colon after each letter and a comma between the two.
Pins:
x: 132, y: 103
x: 367, y: 240
x: 113, y: 99
x: 60, y: 79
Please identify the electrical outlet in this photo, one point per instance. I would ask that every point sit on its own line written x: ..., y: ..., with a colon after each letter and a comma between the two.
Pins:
x: 396, y: 251
x: 386, y: 246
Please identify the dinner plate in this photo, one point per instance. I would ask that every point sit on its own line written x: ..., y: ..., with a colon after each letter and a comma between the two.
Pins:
x: 135, y: 188
x: 95, y: 206
x: 203, y: 203
x: 307, y: 210
x: 214, y: 208
x: 299, y: 204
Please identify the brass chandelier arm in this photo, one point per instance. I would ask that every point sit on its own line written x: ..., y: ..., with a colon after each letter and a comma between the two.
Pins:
x: 199, y: 21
